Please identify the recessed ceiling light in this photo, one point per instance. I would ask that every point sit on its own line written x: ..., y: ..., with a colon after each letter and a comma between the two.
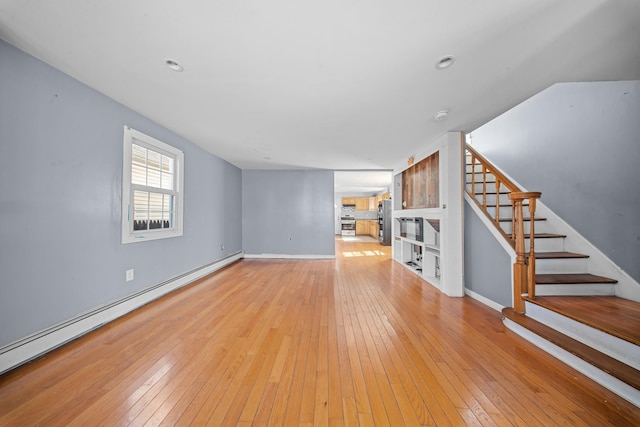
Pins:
x: 173, y: 64
x: 445, y: 62
x: 441, y: 115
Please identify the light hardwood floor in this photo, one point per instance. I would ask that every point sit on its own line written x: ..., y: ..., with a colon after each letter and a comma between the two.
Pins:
x: 354, y: 341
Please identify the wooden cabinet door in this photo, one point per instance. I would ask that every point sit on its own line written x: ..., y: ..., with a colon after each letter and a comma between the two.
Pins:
x: 362, y: 203
x: 348, y: 201
x: 360, y: 227
x: 374, y: 229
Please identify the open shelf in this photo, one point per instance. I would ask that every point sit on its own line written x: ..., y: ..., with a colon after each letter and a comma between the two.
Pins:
x: 431, y: 249
x: 418, y: 249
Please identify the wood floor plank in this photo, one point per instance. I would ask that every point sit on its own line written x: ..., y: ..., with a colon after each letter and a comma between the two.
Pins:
x: 359, y: 340
x: 307, y: 408
x: 333, y: 363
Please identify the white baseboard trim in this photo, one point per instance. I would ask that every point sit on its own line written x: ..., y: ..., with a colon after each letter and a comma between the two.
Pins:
x: 285, y: 256
x: 33, y: 346
x: 620, y: 388
x: 486, y: 301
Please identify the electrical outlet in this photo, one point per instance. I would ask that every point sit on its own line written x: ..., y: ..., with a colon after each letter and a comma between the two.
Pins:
x: 129, y: 275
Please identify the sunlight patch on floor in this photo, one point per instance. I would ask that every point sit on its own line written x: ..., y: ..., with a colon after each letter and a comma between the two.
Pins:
x: 350, y: 254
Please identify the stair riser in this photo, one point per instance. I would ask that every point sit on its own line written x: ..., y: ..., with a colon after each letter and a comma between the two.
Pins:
x: 491, y: 199
x: 564, y: 265
x: 502, y: 198
x: 585, y: 289
x: 478, y: 175
x: 547, y: 245
x: 477, y: 169
x: 479, y: 186
x: 615, y: 347
x: 505, y: 211
x: 506, y: 226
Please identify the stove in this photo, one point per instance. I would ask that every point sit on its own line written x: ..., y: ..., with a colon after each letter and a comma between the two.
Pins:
x: 348, y: 226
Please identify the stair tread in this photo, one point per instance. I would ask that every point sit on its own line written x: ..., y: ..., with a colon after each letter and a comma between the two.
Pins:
x: 559, y: 255
x: 479, y: 178
x: 479, y: 193
x: 524, y: 219
x: 612, y: 366
x: 616, y: 316
x: 544, y: 235
x: 505, y: 205
x: 571, y: 278
x: 478, y: 182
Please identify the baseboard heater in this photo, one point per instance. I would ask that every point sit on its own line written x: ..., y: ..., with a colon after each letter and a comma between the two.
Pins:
x: 35, y: 345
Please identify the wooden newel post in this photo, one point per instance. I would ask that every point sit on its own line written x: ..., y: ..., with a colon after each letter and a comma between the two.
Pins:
x: 523, y: 271
x: 532, y: 252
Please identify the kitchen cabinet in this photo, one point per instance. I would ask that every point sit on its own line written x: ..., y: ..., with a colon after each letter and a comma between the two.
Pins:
x: 367, y: 227
x: 362, y: 203
x: 348, y: 201
x: 373, y: 203
x: 374, y: 229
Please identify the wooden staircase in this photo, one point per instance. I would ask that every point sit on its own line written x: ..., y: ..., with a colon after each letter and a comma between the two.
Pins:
x: 565, y: 309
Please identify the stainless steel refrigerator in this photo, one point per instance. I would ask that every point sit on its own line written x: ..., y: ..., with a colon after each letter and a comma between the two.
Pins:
x: 384, y: 222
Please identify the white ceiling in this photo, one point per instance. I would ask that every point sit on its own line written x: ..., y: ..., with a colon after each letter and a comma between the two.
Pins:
x: 358, y: 182
x: 325, y: 84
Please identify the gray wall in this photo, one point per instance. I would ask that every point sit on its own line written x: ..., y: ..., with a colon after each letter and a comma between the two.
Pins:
x: 288, y: 212
x: 397, y: 192
x: 60, y: 189
x: 579, y: 144
x: 487, y: 267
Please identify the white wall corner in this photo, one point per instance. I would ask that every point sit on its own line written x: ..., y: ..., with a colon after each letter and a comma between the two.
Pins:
x: 452, y: 204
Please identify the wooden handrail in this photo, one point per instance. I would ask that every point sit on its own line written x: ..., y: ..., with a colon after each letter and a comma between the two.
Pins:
x: 501, y: 180
x: 495, y: 172
x: 525, y: 264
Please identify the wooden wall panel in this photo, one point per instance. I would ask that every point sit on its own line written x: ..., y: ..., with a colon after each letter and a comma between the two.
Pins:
x: 421, y: 183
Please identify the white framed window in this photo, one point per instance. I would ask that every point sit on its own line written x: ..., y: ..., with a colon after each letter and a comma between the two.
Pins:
x: 152, y: 188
